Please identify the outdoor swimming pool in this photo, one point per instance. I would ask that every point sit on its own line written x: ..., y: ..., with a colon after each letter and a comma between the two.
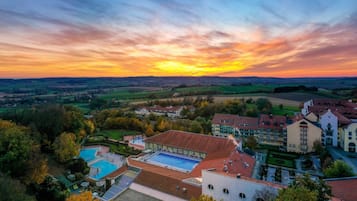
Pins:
x: 103, y: 168
x: 174, y: 161
x: 88, y: 154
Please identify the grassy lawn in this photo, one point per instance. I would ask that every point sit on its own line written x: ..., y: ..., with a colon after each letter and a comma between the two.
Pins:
x: 282, y: 159
x: 117, y: 134
x: 289, y: 110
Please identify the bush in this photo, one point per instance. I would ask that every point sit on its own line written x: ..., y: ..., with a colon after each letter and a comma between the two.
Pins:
x: 78, y: 166
x: 78, y: 176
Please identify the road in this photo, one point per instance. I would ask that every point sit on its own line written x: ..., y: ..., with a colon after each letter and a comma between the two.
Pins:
x: 339, y: 154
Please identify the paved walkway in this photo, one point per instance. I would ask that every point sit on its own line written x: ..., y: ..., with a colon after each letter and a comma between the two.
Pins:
x: 338, y: 154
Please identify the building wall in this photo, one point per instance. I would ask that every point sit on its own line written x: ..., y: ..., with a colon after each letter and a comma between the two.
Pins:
x: 350, y: 136
x: 263, y: 136
x: 329, y: 125
x: 305, y: 109
x: 175, y: 150
x: 234, y: 186
x: 294, y: 136
x: 312, y: 117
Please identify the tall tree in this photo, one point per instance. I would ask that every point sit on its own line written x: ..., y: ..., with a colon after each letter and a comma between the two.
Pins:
x: 13, y: 190
x: 65, y: 147
x: 319, y: 186
x: 15, y: 148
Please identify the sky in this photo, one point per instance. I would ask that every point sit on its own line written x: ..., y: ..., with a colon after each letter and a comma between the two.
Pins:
x: 120, y: 38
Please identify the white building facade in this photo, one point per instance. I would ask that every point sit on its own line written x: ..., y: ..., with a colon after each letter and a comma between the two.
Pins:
x: 228, y: 188
x: 329, y: 126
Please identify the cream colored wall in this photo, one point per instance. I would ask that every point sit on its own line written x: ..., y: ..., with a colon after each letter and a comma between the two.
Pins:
x: 350, y: 128
x: 312, y: 117
x: 293, y: 133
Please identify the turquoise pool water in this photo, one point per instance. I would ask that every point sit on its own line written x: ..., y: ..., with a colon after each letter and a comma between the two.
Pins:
x: 88, y: 154
x: 174, y: 161
x: 104, y: 168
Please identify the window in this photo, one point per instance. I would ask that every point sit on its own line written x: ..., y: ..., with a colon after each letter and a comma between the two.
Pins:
x: 226, y: 191
x: 210, y: 186
x: 242, y: 195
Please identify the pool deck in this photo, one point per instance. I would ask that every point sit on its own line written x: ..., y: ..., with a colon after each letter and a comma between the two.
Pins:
x: 101, y: 149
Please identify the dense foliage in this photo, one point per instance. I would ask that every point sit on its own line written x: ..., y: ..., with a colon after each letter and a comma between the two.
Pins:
x: 338, y: 169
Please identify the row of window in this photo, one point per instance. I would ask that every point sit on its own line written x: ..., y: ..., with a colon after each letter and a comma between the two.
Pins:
x: 226, y: 191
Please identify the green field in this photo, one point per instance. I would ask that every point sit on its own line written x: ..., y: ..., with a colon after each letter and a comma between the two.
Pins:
x: 227, y: 89
x: 142, y: 95
x: 84, y: 107
x: 116, y: 134
x: 289, y: 110
x: 282, y: 159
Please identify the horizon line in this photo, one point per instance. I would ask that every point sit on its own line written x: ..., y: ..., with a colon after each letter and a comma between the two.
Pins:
x: 152, y: 76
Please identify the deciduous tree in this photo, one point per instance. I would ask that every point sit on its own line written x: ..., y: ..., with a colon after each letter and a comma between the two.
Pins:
x: 65, y: 147
x: 338, y: 169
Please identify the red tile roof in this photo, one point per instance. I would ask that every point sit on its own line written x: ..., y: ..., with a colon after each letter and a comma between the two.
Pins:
x: 221, y: 152
x: 235, y: 121
x: 117, y: 172
x: 168, y: 185
x: 344, y: 107
x: 195, y: 142
x: 264, y: 121
x: 275, y: 122
x: 343, y: 188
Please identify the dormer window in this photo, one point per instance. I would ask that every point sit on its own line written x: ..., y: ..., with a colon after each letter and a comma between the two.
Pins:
x: 225, y: 191
x: 210, y: 186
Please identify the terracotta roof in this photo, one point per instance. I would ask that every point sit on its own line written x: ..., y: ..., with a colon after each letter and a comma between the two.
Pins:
x: 193, y: 141
x: 275, y: 185
x: 344, y: 107
x: 235, y: 163
x: 343, y: 188
x: 341, y: 119
x: 272, y: 121
x: 168, y: 185
x: 235, y: 121
x: 117, y: 172
x: 264, y: 121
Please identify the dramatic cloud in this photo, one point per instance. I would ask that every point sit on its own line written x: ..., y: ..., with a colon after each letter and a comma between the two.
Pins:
x: 160, y: 37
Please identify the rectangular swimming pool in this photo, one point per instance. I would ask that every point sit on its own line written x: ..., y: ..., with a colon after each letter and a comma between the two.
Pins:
x: 88, y: 154
x: 103, y: 168
x: 174, y: 161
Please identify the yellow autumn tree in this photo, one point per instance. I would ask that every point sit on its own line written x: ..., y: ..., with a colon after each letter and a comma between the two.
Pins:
x: 65, y: 147
x: 203, y: 198
x: 84, y: 196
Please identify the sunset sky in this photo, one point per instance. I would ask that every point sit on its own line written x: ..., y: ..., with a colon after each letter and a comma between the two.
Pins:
x: 100, y: 38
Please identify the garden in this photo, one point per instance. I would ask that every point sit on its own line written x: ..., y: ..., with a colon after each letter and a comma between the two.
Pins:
x: 282, y: 159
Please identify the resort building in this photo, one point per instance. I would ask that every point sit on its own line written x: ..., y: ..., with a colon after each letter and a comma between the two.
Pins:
x: 223, y: 186
x: 301, y: 136
x: 170, y: 111
x: 349, y: 136
x: 268, y: 129
x: 332, y: 116
x: 169, y: 179
x: 329, y: 125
